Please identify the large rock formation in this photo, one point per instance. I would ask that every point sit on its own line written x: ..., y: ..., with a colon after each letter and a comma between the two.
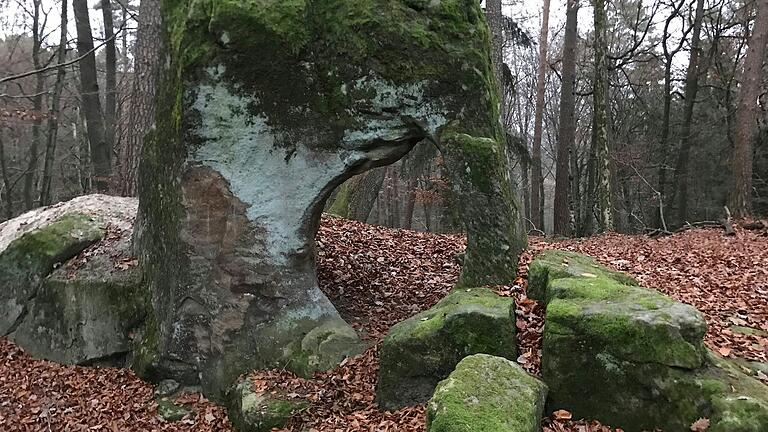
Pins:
x: 637, y: 354
x: 76, y: 311
x: 422, y: 350
x: 488, y: 394
x: 266, y: 107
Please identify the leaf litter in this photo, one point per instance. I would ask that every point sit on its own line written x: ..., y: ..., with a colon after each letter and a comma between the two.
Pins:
x: 379, y: 276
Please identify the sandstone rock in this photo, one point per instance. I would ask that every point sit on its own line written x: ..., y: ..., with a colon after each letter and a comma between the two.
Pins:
x: 171, y: 411
x: 250, y: 411
x: 488, y: 394
x: 267, y: 108
x: 640, y: 358
x: 421, y: 351
x: 556, y: 264
x: 82, y: 311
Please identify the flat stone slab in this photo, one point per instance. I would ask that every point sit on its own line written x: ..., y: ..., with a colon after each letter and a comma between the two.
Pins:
x: 422, y: 350
x: 488, y: 394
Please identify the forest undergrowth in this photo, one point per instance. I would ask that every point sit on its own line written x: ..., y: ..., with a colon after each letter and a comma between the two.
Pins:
x: 377, y: 277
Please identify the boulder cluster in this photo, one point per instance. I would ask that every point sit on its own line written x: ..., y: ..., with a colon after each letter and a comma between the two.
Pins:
x: 612, y: 350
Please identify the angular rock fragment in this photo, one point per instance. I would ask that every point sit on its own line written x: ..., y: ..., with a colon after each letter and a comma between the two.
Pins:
x: 488, y: 394
x: 422, y: 350
x: 251, y: 411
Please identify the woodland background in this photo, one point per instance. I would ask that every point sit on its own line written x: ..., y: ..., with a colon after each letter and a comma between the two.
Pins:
x: 620, y: 115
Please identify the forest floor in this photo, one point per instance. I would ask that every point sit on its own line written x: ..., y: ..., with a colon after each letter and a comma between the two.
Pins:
x: 378, y: 277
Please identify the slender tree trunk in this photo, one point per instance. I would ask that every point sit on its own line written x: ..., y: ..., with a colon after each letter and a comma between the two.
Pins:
x: 495, y: 17
x: 6, y: 195
x: 141, y: 109
x: 53, y: 115
x: 89, y: 95
x: 691, y: 88
x: 110, y: 108
x: 567, y: 124
x: 600, y: 122
x: 537, y: 182
x: 30, y: 175
x: 409, y: 204
x: 740, y: 199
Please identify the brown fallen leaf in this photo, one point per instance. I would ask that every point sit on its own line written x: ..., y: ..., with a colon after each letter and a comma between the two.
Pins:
x: 700, y: 425
x: 562, y: 415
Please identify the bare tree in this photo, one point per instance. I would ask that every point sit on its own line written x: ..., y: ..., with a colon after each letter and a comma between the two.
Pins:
x: 110, y: 81
x: 740, y: 199
x: 567, y: 125
x: 537, y: 182
x: 691, y: 88
x: 89, y: 94
x: 602, y: 170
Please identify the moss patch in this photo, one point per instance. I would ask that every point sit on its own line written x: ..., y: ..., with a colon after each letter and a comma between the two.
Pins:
x: 487, y: 393
x: 421, y: 351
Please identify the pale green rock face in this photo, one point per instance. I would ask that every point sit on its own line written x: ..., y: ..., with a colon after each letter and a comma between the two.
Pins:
x: 267, y: 107
x: 421, y: 351
x: 638, y: 354
x: 489, y: 394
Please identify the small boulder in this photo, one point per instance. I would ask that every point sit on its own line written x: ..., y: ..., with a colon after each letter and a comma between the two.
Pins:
x: 423, y: 350
x: 488, y: 394
x: 251, y: 411
x: 171, y: 411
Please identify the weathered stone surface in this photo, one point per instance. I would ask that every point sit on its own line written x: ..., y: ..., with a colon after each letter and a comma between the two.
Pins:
x: 488, y: 394
x: 171, y: 411
x: 422, y: 350
x: 557, y: 264
x: 640, y: 357
x: 268, y: 106
x: 28, y: 259
x: 251, y: 411
x: 79, y: 311
x: 83, y: 312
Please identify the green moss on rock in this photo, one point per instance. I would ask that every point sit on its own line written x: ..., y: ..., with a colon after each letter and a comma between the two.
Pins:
x: 557, y: 264
x: 250, y: 411
x: 170, y: 411
x: 422, y: 350
x: 638, y: 354
x: 489, y: 394
x: 30, y: 258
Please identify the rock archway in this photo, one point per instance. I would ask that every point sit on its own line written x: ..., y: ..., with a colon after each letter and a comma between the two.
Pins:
x: 267, y: 106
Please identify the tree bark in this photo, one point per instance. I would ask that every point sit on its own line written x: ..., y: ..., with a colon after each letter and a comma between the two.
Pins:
x: 740, y: 199
x: 110, y: 108
x: 89, y: 95
x: 691, y: 88
x: 567, y: 124
x: 537, y: 182
x: 53, y: 115
x: 141, y: 109
x: 30, y: 175
x: 600, y: 122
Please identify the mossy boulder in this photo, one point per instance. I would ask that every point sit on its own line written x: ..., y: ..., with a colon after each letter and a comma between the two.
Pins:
x: 422, y: 350
x: 640, y: 357
x: 557, y: 264
x: 251, y: 411
x: 28, y: 259
x: 488, y: 394
x: 171, y: 411
x: 85, y: 310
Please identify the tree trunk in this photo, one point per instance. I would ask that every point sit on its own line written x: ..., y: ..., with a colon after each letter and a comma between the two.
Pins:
x: 53, y: 116
x: 6, y: 189
x: 567, y: 124
x: 691, y: 88
x: 30, y: 175
x: 740, y: 199
x: 537, y: 182
x: 110, y: 108
x: 600, y: 122
x: 141, y: 109
x: 89, y: 95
